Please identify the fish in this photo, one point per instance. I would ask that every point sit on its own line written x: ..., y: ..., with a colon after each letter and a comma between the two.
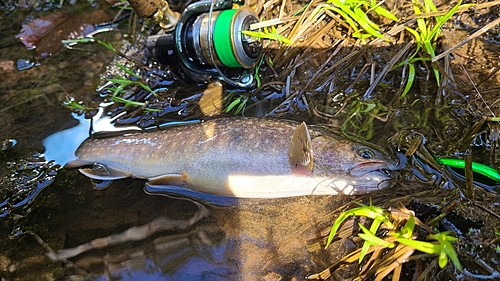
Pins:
x: 241, y: 158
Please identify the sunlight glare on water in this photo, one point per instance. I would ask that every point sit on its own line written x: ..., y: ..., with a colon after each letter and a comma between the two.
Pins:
x: 61, y: 146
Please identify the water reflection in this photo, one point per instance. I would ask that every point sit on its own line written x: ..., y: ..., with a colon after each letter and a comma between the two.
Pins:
x: 62, y: 145
x: 120, y: 233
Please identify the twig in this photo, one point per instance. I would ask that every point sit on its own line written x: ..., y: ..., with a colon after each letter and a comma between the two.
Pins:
x: 54, y: 256
x: 390, y: 64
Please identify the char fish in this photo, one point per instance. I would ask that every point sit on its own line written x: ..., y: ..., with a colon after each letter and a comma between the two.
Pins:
x: 240, y: 157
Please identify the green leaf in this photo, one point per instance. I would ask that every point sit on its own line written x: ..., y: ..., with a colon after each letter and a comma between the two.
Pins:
x: 117, y: 90
x: 128, y: 71
x: 146, y: 87
x: 450, y: 252
x: 121, y: 81
x: 385, y: 13
x: 108, y: 46
x: 422, y: 246
x: 443, y: 259
x: 366, y: 24
x: 343, y: 216
x: 409, y: 82
x: 429, y: 6
x: 347, y: 18
x: 241, y: 106
x: 445, y: 240
x: 442, y: 20
x: 240, y: 101
x: 407, y: 230
x: 371, y: 211
x: 152, y: 109
x: 364, y: 17
x: 416, y: 35
x: 373, y: 239
x: 128, y: 102
x: 420, y: 21
x: 346, y: 9
x: 370, y: 240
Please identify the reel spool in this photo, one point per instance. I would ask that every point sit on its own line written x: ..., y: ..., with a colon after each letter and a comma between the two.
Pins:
x: 208, y: 42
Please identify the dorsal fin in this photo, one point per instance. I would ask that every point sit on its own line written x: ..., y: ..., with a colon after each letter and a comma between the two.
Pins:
x: 300, y: 154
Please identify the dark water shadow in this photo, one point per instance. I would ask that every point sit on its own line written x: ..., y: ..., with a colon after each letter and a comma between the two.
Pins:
x: 120, y: 233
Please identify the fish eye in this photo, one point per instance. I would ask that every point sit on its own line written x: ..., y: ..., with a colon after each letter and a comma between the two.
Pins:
x: 366, y: 153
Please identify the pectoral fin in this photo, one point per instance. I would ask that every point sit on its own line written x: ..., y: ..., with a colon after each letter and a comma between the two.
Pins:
x: 101, y: 172
x: 300, y: 154
x: 169, y: 179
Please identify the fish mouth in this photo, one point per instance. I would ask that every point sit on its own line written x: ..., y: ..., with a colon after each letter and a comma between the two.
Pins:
x: 371, y: 177
x: 379, y: 168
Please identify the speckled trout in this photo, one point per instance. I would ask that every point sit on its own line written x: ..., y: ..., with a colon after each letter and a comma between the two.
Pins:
x: 240, y: 157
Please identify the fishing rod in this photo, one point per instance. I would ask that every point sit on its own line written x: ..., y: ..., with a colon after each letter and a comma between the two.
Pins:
x: 484, y: 176
x: 484, y: 170
x: 206, y: 40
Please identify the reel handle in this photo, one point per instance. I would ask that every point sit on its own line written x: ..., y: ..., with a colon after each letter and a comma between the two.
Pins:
x: 145, y: 8
x: 156, y: 10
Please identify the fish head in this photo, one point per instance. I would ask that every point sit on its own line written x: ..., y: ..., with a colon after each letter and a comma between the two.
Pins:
x: 364, y: 165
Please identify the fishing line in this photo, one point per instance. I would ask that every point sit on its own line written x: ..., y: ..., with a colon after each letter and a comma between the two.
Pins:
x: 226, y: 51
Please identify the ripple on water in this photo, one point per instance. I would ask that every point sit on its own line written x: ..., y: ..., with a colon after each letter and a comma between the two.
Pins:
x: 27, y: 178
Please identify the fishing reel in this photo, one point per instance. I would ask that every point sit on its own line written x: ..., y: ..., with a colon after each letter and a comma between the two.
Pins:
x: 207, y: 41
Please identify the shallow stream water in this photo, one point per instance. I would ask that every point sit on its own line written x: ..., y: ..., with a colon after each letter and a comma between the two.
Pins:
x: 72, y: 231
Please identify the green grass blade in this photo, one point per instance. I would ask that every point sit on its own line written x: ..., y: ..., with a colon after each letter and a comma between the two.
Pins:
x: 346, y: 9
x: 409, y: 82
x: 117, y: 91
x: 128, y: 102
x: 128, y: 71
x: 366, y: 24
x: 359, y: 34
x: 235, y: 102
x: 121, y: 81
x: 152, y: 109
x: 147, y: 88
x: 407, y: 230
x: 442, y: 20
x: 241, y: 106
x: 336, y: 225
x: 437, y: 75
x: 422, y: 246
x: 420, y: 21
x: 450, y: 252
x: 364, y: 17
x: 347, y: 18
x: 108, y: 46
x: 301, y: 9
x: 443, y: 259
x: 429, y: 6
x: 385, y: 13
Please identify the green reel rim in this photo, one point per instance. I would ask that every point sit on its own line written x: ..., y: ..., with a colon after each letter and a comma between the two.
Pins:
x: 222, y: 39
